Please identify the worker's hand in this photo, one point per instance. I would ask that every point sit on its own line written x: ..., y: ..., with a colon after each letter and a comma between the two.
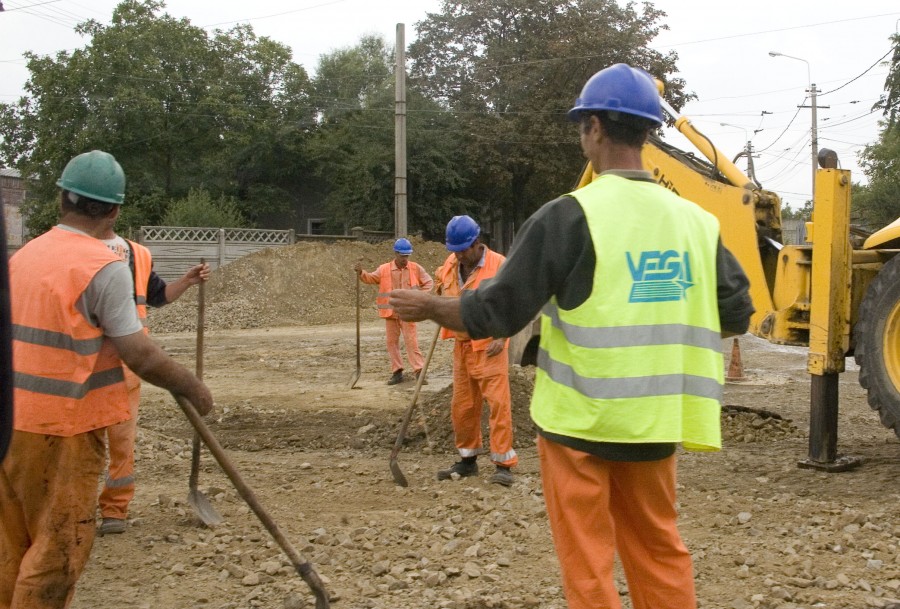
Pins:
x: 358, y: 267
x: 495, y: 347
x: 200, y: 397
x: 411, y: 305
x: 197, y: 274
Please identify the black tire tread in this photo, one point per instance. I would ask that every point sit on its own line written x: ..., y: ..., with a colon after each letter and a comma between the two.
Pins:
x: 882, y: 295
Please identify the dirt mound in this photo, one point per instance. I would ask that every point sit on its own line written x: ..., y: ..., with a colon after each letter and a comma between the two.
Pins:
x: 297, y: 285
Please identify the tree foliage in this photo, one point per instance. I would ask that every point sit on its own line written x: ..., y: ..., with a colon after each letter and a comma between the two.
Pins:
x: 508, y: 71
x: 198, y: 208
x: 196, y: 116
x: 354, y: 145
x: 178, y: 108
x: 889, y: 102
x: 877, y: 204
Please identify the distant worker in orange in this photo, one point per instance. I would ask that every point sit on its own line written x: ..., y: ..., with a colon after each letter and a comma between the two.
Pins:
x: 149, y: 289
x: 399, y: 273
x: 480, y: 367
x: 74, y: 326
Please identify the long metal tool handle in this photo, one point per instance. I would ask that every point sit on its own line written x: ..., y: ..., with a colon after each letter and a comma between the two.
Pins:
x: 201, y: 327
x: 399, y: 478
x: 358, y: 360
x: 303, y: 568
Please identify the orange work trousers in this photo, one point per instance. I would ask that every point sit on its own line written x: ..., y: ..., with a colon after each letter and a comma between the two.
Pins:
x: 597, y: 507
x: 118, y: 491
x: 394, y: 327
x: 48, y: 497
x: 476, y: 378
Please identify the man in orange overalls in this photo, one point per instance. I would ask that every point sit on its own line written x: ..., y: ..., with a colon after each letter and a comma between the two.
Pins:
x: 399, y: 273
x: 74, y: 325
x: 480, y: 367
x: 149, y: 289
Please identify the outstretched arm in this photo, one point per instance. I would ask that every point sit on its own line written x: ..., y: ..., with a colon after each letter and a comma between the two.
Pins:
x: 195, y: 275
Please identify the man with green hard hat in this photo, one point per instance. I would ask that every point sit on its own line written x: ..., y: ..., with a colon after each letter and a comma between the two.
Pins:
x: 74, y: 326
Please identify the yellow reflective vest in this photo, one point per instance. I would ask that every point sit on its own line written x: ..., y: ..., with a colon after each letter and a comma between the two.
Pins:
x: 640, y: 361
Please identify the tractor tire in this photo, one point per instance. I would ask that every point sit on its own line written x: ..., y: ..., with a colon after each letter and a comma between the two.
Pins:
x: 877, y: 338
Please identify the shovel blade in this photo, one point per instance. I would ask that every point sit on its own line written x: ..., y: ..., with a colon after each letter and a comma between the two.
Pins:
x: 353, y: 380
x: 203, y: 508
x: 399, y: 478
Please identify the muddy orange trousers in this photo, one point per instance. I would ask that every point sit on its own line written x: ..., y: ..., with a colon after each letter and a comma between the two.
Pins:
x: 598, y: 507
x: 478, y: 378
x: 48, y: 497
x: 394, y: 327
x: 118, y: 490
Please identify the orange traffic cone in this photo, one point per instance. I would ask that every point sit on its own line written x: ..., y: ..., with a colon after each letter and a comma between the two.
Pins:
x: 736, y: 367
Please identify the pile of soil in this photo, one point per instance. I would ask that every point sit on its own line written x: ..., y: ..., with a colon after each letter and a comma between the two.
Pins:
x: 298, y: 285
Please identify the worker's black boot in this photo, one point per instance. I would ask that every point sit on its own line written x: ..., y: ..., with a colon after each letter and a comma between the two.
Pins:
x: 502, y: 476
x: 397, y: 377
x: 418, y: 374
x: 465, y: 468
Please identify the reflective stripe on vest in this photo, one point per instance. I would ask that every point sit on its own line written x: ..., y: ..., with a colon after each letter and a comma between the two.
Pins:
x: 68, y: 378
x: 143, y: 264
x: 385, y: 285
x: 641, y: 359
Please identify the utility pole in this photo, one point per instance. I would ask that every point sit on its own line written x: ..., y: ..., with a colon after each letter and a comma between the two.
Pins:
x: 812, y: 104
x: 814, y: 134
x: 400, y: 229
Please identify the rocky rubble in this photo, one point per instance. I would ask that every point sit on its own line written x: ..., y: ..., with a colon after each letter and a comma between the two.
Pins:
x: 764, y: 534
x: 301, y: 284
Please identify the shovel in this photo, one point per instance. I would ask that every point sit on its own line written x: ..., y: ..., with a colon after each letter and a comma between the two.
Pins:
x: 200, y: 502
x: 303, y: 568
x: 399, y: 478
x: 355, y: 377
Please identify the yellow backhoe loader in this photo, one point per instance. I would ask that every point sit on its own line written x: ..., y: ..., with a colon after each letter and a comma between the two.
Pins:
x: 835, y: 297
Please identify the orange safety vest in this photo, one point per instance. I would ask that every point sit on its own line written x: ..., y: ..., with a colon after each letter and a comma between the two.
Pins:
x: 448, y: 275
x: 143, y: 264
x: 385, y: 285
x: 68, y: 378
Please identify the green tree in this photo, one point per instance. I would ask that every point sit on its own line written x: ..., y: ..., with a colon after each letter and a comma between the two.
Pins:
x: 889, y: 102
x: 877, y: 204
x: 179, y: 109
x: 199, y: 209
x: 509, y: 70
x: 354, y: 146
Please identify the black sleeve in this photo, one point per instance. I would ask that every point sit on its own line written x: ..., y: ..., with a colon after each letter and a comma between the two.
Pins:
x: 552, y: 255
x: 735, y: 306
x: 156, y: 290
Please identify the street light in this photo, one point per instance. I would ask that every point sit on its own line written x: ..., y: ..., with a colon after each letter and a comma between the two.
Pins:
x: 812, y: 104
x: 748, y: 150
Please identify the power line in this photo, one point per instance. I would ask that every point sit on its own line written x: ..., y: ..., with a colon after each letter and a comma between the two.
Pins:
x: 297, y: 10
x: 784, y: 29
x: 860, y: 75
x: 27, y: 6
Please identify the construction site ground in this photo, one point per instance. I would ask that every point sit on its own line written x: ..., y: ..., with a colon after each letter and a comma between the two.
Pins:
x: 280, y: 350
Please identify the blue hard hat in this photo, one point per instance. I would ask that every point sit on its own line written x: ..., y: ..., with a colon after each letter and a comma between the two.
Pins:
x: 461, y: 233
x: 620, y: 88
x: 403, y: 247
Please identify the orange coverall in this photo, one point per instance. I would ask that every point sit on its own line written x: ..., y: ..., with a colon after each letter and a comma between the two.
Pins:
x: 389, y: 277
x: 477, y: 377
x: 118, y: 490
x: 69, y: 386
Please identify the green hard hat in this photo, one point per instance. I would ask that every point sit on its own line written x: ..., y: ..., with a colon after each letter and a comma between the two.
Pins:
x: 96, y: 175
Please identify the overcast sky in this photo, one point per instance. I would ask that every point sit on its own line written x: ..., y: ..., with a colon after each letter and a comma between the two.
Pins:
x: 722, y: 46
